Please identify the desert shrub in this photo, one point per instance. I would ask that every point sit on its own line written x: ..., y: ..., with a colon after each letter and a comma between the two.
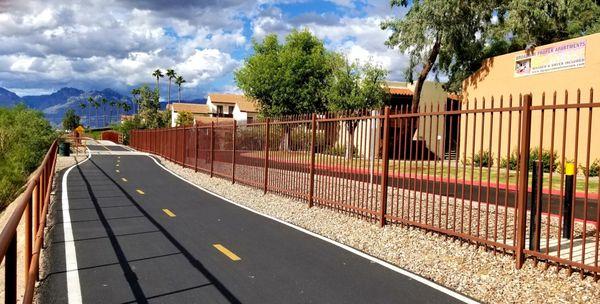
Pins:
x: 125, y: 127
x: 549, y: 159
x: 249, y: 138
x: 301, y: 139
x: 483, y: 159
x: 594, y: 169
x: 512, y: 161
x: 25, y: 136
x: 340, y: 150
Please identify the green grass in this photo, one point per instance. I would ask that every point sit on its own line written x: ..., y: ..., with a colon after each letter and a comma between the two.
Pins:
x: 416, y: 168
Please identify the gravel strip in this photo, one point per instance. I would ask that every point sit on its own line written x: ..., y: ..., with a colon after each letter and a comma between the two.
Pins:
x: 467, y: 269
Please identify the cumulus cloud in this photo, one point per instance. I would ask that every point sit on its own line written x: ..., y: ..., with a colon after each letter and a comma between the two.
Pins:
x: 92, y: 44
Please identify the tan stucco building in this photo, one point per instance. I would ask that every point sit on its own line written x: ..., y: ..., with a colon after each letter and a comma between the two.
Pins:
x: 560, y: 67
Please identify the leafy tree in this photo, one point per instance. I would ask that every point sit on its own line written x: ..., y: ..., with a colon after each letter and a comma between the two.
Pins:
x: 179, y: 81
x: 441, y: 35
x: 25, y: 136
x: 70, y: 120
x: 184, y: 119
x: 287, y: 78
x: 158, y: 74
x: 127, y: 125
x: 171, y: 75
x: 536, y: 22
x: 149, y: 107
x: 353, y: 87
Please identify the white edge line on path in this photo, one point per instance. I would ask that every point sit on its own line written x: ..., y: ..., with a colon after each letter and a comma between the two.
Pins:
x: 383, y: 263
x: 73, y: 285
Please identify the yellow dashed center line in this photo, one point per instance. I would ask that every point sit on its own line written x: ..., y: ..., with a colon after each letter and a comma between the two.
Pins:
x: 117, y: 171
x: 227, y: 252
x: 123, y: 179
x: 117, y: 165
x: 140, y: 191
x: 169, y: 212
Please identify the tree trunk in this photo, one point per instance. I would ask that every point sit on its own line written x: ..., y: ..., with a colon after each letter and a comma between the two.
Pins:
x: 179, y: 95
x: 169, y: 100
x: 350, y: 126
x: 425, y: 71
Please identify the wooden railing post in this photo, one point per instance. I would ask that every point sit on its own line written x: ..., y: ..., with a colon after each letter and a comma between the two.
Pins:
x: 266, y: 174
x: 212, y: 147
x: 10, y: 272
x: 523, y: 181
x: 311, y: 191
x: 28, y: 240
x: 385, y: 169
x: 233, y: 153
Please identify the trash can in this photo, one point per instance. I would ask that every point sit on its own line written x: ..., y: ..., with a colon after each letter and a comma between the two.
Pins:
x: 64, y: 149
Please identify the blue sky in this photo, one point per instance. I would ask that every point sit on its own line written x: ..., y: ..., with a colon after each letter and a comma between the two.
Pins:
x: 93, y: 44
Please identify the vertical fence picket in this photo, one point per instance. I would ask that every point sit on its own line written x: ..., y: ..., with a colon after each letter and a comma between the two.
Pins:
x: 523, y: 177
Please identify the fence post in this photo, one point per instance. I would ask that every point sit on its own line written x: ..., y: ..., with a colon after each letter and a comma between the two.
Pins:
x: 10, y: 272
x: 385, y: 169
x: 233, y: 153
x: 266, y: 182
x: 27, y: 251
x: 311, y: 191
x: 196, y: 149
x: 523, y: 181
x: 212, y: 146
x: 535, y: 216
x: 185, y: 146
x: 568, y: 198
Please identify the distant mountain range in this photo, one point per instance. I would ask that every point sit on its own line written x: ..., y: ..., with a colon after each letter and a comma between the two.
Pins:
x: 56, y: 104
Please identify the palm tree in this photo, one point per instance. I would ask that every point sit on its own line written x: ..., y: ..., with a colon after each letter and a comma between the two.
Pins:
x: 96, y: 105
x: 179, y: 81
x: 134, y: 93
x: 125, y: 106
x: 172, y: 75
x: 104, y: 102
x: 158, y: 74
x: 112, y: 104
x: 90, y: 101
x: 82, y: 106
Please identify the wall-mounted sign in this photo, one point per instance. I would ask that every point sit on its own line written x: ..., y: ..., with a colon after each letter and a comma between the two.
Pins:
x: 564, y: 56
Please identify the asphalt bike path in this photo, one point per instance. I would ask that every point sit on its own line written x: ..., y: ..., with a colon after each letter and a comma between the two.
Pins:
x: 129, y: 231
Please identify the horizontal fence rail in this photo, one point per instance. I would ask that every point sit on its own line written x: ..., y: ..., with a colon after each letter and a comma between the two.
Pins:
x: 517, y: 174
x: 31, y: 206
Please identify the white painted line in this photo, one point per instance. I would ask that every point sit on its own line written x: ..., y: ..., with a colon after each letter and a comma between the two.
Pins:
x: 73, y: 285
x: 383, y: 263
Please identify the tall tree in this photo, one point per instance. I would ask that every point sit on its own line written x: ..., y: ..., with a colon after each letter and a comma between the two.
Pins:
x: 179, y: 81
x: 112, y: 104
x: 352, y: 88
x: 529, y: 23
x: 96, y: 106
x: 90, y: 105
x: 82, y: 106
x: 158, y: 74
x: 440, y: 35
x: 104, y: 102
x: 171, y: 75
x: 70, y: 120
x: 135, y: 93
x: 288, y: 78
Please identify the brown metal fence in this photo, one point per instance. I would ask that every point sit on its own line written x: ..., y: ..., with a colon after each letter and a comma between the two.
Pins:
x: 457, y: 168
x: 31, y: 206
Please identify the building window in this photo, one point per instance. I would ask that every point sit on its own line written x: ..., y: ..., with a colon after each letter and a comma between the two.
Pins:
x: 250, y: 119
x: 219, y: 110
x: 230, y: 110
